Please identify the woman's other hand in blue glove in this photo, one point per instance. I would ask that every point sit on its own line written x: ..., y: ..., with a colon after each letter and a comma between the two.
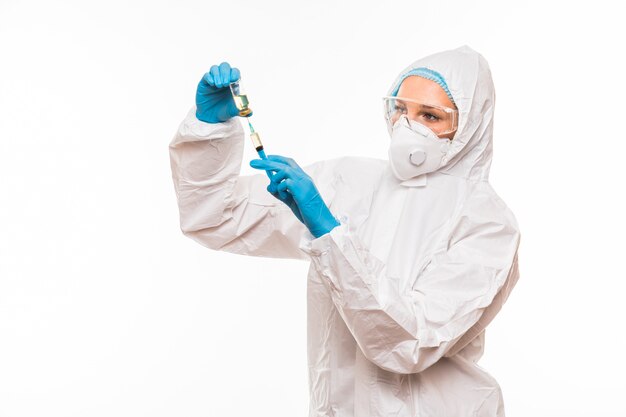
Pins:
x: 296, y: 189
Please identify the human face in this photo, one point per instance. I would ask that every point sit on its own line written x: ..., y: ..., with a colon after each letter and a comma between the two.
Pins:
x: 429, y: 92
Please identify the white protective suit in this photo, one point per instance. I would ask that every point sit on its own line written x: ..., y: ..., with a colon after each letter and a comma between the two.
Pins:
x: 400, y: 293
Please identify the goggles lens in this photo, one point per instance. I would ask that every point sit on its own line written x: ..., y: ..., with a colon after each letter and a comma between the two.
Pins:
x: 441, y: 120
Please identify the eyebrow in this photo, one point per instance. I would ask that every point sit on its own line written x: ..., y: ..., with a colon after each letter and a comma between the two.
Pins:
x: 428, y: 107
x: 419, y: 105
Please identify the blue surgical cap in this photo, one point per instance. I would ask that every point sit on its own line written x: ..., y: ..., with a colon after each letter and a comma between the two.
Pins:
x: 429, y: 75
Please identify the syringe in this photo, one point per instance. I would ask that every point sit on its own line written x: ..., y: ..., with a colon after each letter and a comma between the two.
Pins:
x: 256, y: 142
x: 242, y: 103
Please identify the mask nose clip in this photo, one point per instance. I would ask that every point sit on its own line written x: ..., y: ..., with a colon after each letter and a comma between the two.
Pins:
x: 405, y: 121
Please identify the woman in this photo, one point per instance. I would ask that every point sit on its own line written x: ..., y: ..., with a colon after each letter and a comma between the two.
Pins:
x: 411, y: 258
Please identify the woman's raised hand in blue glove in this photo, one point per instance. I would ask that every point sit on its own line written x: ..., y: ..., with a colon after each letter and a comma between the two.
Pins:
x: 291, y: 185
x: 214, y: 102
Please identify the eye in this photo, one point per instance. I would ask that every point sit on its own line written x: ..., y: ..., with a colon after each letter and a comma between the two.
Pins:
x: 431, y: 117
x: 400, y: 109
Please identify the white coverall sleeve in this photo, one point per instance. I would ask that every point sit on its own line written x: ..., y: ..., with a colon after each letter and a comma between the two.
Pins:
x: 406, y: 330
x: 221, y: 209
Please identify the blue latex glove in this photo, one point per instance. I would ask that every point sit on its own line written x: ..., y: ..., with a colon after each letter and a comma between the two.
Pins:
x: 291, y: 185
x: 214, y: 102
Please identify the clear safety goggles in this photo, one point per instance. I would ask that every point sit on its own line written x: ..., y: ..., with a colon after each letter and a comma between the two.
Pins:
x: 441, y: 120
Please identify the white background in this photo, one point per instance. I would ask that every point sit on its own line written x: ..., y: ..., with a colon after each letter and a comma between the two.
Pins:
x: 107, y: 310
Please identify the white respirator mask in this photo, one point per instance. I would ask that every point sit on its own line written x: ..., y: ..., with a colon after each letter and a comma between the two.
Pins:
x: 415, y: 149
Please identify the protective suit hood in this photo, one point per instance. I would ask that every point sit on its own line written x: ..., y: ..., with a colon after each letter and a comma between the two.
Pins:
x: 468, y: 77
